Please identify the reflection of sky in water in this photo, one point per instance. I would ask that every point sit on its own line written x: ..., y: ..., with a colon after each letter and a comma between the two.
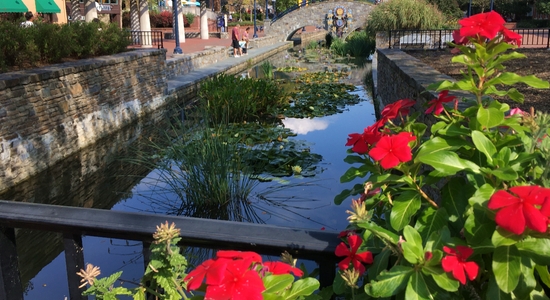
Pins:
x: 301, y: 203
x: 303, y: 126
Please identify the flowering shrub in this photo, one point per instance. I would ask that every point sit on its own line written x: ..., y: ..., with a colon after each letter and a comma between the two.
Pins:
x: 230, y: 275
x: 459, y: 209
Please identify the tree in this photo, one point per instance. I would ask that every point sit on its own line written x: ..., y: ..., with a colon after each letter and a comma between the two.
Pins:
x: 75, y: 10
x: 513, y: 9
x: 543, y: 6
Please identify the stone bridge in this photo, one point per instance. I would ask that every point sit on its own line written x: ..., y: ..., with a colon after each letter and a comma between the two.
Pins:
x: 315, y: 14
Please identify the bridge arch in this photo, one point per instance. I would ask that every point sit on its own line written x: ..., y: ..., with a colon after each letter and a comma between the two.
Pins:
x: 315, y: 14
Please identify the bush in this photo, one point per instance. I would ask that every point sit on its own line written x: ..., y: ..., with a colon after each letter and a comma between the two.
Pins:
x: 359, y: 44
x: 338, y: 47
x: 228, y: 99
x: 189, y: 17
x: 51, y: 43
x: 404, y: 14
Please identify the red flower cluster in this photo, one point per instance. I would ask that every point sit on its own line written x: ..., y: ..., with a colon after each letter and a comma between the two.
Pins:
x: 455, y: 262
x: 389, y: 150
x: 350, y: 252
x: 524, y: 206
x: 484, y: 26
x: 235, y: 275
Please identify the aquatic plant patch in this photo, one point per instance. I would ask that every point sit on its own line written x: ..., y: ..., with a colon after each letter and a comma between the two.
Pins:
x: 322, y: 77
x: 289, y: 69
x: 318, y: 100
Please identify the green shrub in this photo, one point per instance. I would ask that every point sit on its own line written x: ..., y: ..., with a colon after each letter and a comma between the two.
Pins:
x: 404, y: 14
x: 312, y: 45
x: 189, y: 17
x: 359, y: 44
x: 228, y: 99
x: 338, y: 47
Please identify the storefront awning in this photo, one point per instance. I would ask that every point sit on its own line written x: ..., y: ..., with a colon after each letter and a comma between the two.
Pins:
x: 47, y: 6
x: 12, y: 6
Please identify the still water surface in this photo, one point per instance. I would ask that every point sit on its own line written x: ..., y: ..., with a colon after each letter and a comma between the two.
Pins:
x: 98, y: 178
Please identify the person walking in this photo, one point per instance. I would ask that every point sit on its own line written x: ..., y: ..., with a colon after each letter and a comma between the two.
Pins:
x: 235, y: 34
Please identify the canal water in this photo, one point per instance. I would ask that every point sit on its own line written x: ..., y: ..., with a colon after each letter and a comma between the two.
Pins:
x: 103, y: 177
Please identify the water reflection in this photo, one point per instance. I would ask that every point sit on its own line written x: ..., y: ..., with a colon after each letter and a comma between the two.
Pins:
x: 98, y: 177
x: 303, y: 126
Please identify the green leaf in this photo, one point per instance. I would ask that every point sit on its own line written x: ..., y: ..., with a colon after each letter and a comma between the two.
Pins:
x: 484, y: 145
x: 352, y: 159
x: 277, y: 283
x: 380, y: 232
x: 353, y: 173
x: 444, y: 280
x: 506, y: 267
x: 412, y: 247
x: 431, y: 220
x: 509, y: 78
x: 479, y: 229
x: 527, y: 282
x: 489, y: 117
x: 404, y: 207
x: 454, y: 198
x: 544, y: 275
x: 438, y: 144
x: 302, y: 287
x: 495, y: 293
x: 437, y: 239
x: 358, y: 188
x: 417, y: 289
x: 502, y: 237
x: 448, y: 163
x: 390, y: 282
x: 481, y: 196
x: 506, y: 173
x: 538, y: 249
x: 339, y: 286
x: 379, y: 264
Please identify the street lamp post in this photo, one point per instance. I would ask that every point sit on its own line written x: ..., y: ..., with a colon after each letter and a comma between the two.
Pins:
x: 470, y: 9
x: 177, y: 50
x: 274, y: 8
x: 255, y: 35
x: 492, y: 5
x: 266, y: 16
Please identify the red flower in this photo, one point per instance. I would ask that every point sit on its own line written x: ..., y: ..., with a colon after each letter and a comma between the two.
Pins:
x: 455, y: 262
x: 459, y: 39
x: 352, y: 256
x: 232, y: 254
x: 239, y: 283
x: 278, y: 268
x: 520, y: 208
x: 393, y: 150
x: 391, y: 111
x: 511, y: 37
x: 486, y: 25
x: 362, y: 142
x: 436, y: 105
x: 212, y: 269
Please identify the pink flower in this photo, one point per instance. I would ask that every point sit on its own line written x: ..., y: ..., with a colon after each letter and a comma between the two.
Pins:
x: 511, y: 37
x: 516, y: 111
x: 519, y: 209
x: 352, y: 256
x: 436, y: 105
x: 486, y: 25
x: 390, y: 151
x: 455, y: 262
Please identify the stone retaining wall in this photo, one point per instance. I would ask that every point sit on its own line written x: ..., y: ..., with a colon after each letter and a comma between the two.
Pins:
x: 47, y: 114
x: 401, y: 76
x: 307, y: 37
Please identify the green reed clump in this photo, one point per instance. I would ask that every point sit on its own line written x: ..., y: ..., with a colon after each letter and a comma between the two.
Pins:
x: 404, y: 14
x: 359, y: 44
x: 267, y: 69
x: 227, y: 99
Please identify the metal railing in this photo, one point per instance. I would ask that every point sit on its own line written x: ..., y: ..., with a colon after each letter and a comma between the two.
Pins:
x: 147, y: 39
x: 438, y: 39
x: 73, y: 222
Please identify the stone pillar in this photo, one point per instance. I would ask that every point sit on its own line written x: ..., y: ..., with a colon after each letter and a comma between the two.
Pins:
x: 90, y: 10
x: 181, y: 25
x: 134, y: 15
x: 145, y: 24
x: 204, y: 21
x: 75, y: 10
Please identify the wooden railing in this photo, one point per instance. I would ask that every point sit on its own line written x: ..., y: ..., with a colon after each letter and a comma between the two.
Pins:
x: 147, y: 39
x: 438, y: 39
x: 73, y: 222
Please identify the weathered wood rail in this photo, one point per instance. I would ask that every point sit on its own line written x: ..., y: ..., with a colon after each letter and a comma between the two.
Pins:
x: 74, y: 222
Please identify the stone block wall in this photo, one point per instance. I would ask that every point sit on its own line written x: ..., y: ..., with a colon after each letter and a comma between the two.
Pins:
x: 50, y: 113
x: 307, y: 37
x: 401, y: 76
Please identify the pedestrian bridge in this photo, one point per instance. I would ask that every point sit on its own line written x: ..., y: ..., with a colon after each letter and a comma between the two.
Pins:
x: 323, y: 14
